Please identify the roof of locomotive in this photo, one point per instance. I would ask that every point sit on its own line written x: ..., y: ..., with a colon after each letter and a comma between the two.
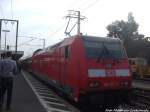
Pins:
x: 69, y: 40
x: 101, y: 39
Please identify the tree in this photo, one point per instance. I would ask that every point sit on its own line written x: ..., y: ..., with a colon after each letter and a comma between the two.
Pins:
x: 135, y: 43
x: 125, y: 30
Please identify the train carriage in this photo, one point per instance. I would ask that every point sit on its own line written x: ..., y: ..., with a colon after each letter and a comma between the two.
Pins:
x: 85, y: 67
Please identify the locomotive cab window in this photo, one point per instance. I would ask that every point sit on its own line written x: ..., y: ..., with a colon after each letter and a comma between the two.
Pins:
x: 67, y: 52
x: 103, y: 49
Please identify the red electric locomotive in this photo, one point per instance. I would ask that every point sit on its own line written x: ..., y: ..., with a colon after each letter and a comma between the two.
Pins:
x: 85, y: 67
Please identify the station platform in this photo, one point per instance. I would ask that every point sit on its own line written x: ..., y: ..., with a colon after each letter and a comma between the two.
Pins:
x: 24, y: 99
x: 141, y: 84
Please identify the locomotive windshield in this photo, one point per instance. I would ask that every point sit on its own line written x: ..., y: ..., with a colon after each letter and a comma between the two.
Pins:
x: 103, y: 49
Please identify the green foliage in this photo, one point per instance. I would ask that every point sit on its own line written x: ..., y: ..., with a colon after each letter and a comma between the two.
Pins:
x: 136, y: 45
x: 125, y: 30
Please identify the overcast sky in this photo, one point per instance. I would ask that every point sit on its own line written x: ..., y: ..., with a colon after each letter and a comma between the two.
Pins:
x: 45, y: 18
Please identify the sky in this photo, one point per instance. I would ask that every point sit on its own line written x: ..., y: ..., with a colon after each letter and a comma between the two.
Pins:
x: 45, y: 19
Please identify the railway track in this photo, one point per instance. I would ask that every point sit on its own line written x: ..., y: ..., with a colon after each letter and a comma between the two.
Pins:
x: 47, y: 97
x: 140, y: 99
x: 52, y: 101
x: 139, y: 102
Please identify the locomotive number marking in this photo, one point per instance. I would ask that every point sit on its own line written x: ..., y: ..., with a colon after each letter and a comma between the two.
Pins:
x: 110, y: 73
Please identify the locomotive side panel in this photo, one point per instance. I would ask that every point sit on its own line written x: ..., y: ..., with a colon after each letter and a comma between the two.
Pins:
x: 76, y: 78
x: 67, y: 71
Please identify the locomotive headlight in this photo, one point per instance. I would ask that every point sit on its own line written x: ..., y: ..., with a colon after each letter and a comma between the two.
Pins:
x: 124, y: 83
x: 94, y: 84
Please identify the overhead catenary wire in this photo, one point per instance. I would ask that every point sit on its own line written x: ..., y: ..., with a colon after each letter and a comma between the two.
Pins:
x: 32, y: 38
x: 83, y: 4
x: 26, y: 42
x: 57, y: 30
x: 90, y: 5
x: 60, y: 28
x: 86, y: 6
x: 74, y: 3
x: 35, y: 45
x: 29, y: 37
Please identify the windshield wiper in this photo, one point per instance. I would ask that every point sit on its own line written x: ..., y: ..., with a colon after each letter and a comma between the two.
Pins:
x: 104, y: 52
